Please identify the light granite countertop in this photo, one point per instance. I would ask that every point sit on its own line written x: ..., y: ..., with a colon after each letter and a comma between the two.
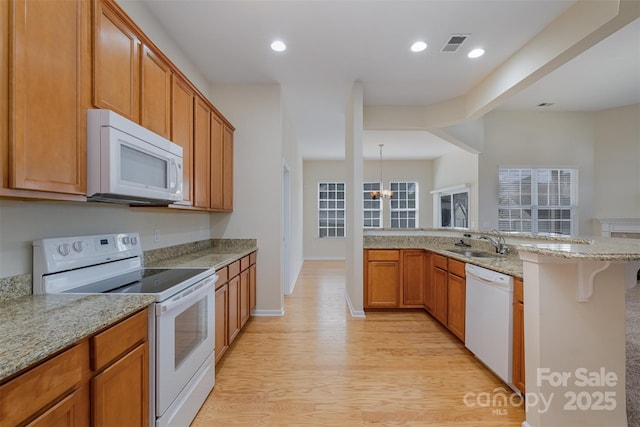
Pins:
x: 596, y: 248
x: 35, y: 327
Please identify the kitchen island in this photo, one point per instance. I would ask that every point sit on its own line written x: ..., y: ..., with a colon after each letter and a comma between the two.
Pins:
x: 574, y: 318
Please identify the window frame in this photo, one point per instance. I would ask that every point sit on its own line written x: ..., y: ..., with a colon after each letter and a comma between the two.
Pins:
x: 437, y: 205
x: 415, y: 210
x: 329, y: 210
x: 365, y: 192
x: 535, y: 207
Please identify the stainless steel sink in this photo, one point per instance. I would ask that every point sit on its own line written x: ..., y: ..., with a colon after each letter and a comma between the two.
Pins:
x: 473, y: 254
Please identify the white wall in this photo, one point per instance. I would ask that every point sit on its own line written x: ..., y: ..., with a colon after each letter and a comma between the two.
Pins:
x: 314, y: 172
x: 293, y: 160
x: 21, y: 222
x: 456, y: 168
x: 617, y: 164
x: 537, y: 139
x: 256, y: 112
x: 335, y: 170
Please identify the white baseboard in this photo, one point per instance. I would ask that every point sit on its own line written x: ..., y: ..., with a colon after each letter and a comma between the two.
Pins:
x: 525, y: 424
x: 268, y: 313
x: 324, y: 258
x: 354, y: 313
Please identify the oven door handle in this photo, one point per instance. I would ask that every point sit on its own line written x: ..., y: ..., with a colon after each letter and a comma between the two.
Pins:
x: 192, y: 293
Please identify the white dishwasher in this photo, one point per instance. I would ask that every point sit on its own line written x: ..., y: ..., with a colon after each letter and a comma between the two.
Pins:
x: 489, y: 319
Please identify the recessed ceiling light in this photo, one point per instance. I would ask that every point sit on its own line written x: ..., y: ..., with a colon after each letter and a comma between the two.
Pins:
x: 278, y: 46
x: 418, y: 46
x: 476, y: 53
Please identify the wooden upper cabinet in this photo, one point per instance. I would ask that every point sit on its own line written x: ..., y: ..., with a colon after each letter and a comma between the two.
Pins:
x: 49, y: 92
x: 228, y: 168
x: 116, y: 62
x: 155, y: 93
x: 217, y: 162
x: 201, y: 154
x: 182, y: 116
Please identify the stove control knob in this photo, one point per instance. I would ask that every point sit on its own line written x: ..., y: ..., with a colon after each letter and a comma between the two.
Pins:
x: 125, y: 240
x: 77, y: 246
x: 64, y: 249
x: 134, y: 240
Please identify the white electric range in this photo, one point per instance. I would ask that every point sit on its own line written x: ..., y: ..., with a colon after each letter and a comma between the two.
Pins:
x: 181, y: 323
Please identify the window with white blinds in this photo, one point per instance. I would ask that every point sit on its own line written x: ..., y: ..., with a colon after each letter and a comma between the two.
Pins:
x: 372, y: 214
x: 537, y: 200
x: 331, y: 208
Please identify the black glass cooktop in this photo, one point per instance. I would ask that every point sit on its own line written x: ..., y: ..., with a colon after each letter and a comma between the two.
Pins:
x: 144, y: 281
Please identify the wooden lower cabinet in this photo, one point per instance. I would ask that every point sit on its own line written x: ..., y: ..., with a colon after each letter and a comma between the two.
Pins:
x: 221, y: 326
x: 235, y: 300
x: 120, y: 393
x: 440, y: 285
x: 72, y: 411
x: 382, y: 278
x: 429, y: 294
x: 456, y: 303
x: 245, y: 309
x: 413, y: 277
x: 518, y: 367
x: 102, y: 381
x: 234, y: 308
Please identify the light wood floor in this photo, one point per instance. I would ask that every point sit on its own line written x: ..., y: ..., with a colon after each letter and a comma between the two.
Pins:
x: 317, y: 366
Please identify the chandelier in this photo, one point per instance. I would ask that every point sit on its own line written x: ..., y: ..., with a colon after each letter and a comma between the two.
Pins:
x: 382, y: 194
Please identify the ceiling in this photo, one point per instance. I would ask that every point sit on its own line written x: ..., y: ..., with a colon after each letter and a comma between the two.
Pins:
x: 332, y: 43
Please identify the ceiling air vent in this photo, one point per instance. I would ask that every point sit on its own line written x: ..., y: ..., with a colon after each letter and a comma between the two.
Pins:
x: 454, y: 43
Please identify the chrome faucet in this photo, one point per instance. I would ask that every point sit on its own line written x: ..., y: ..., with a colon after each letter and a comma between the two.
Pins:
x: 498, y: 242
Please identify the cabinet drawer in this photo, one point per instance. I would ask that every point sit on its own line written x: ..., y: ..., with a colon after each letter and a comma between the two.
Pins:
x: 117, y: 340
x: 383, y: 255
x: 456, y: 267
x: 37, y: 388
x: 518, y: 291
x: 223, y: 276
x: 253, y: 257
x: 439, y: 261
x: 234, y: 269
x: 244, y: 263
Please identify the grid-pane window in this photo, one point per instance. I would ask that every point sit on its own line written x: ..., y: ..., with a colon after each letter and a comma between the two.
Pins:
x: 372, y: 214
x: 331, y: 209
x: 537, y: 200
x: 404, y: 205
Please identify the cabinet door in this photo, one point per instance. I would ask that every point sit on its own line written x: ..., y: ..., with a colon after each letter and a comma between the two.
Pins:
x: 228, y: 169
x: 217, y: 162
x: 413, y: 274
x: 155, y: 93
x: 120, y: 394
x: 383, y: 284
x: 252, y: 288
x: 518, y: 336
x: 116, y: 63
x: 201, y: 156
x: 429, y: 288
x: 234, y: 308
x: 440, y: 290
x: 245, y: 310
x: 456, y: 298
x: 50, y: 90
x: 222, y: 315
x: 72, y: 411
x: 182, y: 99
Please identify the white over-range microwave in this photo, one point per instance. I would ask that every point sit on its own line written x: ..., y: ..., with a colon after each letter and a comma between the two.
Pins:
x: 127, y: 163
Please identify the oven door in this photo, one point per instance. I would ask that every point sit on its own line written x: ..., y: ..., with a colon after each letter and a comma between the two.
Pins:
x: 184, y: 339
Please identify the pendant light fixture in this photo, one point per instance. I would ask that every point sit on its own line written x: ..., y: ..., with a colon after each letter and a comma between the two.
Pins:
x: 382, y: 194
